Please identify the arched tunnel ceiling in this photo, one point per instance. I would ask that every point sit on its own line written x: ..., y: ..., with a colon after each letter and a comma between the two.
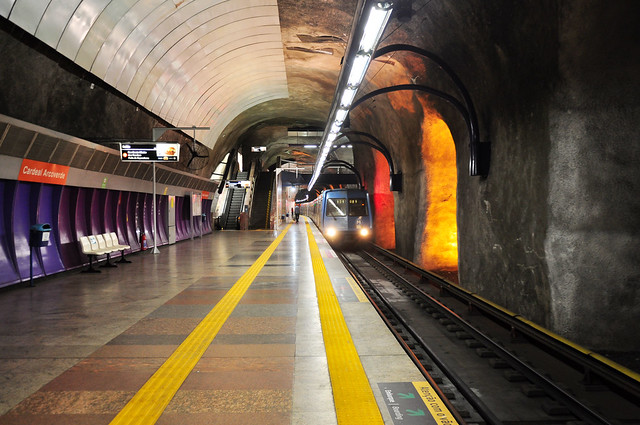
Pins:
x: 206, y: 63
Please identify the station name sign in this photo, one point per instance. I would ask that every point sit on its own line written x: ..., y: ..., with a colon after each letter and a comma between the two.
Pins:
x: 150, y: 152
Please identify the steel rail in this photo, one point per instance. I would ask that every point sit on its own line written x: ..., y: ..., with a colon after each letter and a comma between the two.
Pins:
x: 590, y: 362
x: 360, y: 278
x: 574, y: 405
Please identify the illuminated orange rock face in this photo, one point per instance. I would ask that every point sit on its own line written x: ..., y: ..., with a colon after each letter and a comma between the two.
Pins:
x: 383, y: 220
x: 440, y: 236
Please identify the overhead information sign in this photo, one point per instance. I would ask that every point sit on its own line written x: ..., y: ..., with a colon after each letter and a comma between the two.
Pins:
x: 150, y: 152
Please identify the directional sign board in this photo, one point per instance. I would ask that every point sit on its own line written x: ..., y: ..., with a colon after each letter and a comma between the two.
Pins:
x: 414, y: 403
x: 150, y: 152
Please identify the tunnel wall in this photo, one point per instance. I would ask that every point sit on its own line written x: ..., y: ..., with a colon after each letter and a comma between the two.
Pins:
x: 552, y: 232
x: 593, y: 240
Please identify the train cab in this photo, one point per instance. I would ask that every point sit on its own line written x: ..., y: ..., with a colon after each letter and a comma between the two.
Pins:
x: 343, y: 215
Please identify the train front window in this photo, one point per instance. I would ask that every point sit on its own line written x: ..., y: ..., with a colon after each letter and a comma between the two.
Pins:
x: 358, y: 207
x: 336, y: 207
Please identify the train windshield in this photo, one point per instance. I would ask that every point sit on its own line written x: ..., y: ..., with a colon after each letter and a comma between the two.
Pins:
x: 358, y: 207
x: 336, y: 207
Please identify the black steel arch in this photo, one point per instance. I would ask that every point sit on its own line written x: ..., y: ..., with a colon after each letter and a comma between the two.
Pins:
x: 479, y: 153
x: 377, y: 146
x: 341, y: 163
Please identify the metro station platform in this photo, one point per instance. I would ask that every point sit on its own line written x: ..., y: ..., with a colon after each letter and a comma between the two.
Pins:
x: 237, y: 327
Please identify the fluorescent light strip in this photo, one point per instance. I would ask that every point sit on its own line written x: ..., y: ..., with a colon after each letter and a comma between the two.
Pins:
x: 373, y: 28
x: 347, y: 97
x: 341, y: 115
x: 358, y: 69
x: 376, y: 22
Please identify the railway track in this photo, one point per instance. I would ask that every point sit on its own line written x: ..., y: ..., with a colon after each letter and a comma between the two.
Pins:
x: 491, y: 365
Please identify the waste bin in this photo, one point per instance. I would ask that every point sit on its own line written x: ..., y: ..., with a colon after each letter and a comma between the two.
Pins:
x: 39, y: 235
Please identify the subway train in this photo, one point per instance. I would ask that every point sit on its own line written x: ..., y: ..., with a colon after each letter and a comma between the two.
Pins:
x: 342, y: 215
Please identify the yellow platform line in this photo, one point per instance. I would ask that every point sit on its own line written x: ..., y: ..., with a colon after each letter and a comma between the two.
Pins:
x: 154, y: 396
x: 352, y: 394
x: 356, y: 290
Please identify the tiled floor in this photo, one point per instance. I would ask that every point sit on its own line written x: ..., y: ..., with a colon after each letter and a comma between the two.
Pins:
x: 76, y: 348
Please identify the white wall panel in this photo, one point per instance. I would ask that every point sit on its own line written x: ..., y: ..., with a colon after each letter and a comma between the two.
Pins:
x: 55, y: 20
x: 27, y: 14
x: 79, y: 26
x: 5, y: 7
x: 226, y: 63
x: 103, y: 26
x: 242, y: 58
x: 120, y: 33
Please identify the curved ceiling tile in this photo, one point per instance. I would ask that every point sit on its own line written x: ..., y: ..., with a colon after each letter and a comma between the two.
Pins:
x: 206, y: 68
x: 54, y: 21
x: 100, y: 30
x: 126, y: 61
x: 246, y: 57
x: 229, y: 110
x: 5, y: 8
x: 242, y: 89
x: 228, y: 99
x: 79, y: 25
x: 222, y: 85
x: 27, y: 14
x: 205, y: 92
x: 207, y: 37
x: 183, y: 83
x: 123, y: 31
x: 191, y: 92
x: 208, y: 76
x: 156, y: 42
x: 212, y: 136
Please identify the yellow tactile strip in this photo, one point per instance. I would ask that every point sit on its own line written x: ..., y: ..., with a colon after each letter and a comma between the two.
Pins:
x: 356, y: 290
x: 352, y: 394
x: 154, y: 396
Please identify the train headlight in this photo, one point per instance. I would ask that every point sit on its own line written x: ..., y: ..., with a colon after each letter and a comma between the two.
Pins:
x: 364, y: 232
x: 332, y: 232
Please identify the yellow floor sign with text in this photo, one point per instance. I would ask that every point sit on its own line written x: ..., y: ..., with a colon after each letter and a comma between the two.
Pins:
x: 412, y: 403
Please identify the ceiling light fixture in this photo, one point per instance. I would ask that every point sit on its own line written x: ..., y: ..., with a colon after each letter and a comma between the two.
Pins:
x: 370, y: 21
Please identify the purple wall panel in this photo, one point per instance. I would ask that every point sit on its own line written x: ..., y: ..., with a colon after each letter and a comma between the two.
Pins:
x: 82, y: 216
x: 73, y: 212
x: 186, y: 214
x: 139, y: 215
x: 97, y: 211
x: 69, y: 249
x: 110, y: 211
x: 147, y: 218
x: 48, y: 203
x: 161, y: 201
x: 206, y: 209
x: 132, y: 235
x: 22, y: 213
x: 179, y: 228
x: 121, y: 217
x: 197, y: 223
x: 8, y: 268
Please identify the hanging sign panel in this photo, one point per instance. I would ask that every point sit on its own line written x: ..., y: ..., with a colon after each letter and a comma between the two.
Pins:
x: 150, y: 152
x: 43, y: 172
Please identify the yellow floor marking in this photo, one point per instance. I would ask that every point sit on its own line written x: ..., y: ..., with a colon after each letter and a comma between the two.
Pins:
x: 435, y: 405
x: 154, y: 396
x: 352, y: 394
x: 356, y: 290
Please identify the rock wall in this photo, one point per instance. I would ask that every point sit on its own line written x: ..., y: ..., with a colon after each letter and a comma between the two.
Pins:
x: 553, y: 231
